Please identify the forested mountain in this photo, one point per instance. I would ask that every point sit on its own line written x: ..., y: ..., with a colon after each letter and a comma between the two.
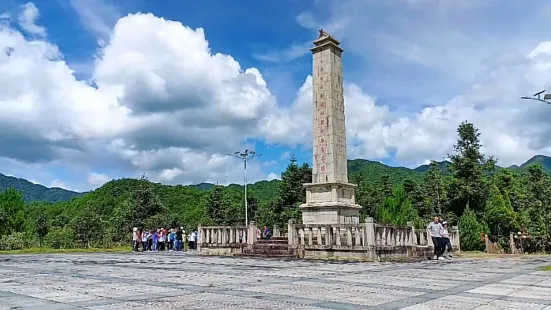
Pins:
x: 266, y: 190
x: 36, y: 192
x: 468, y: 190
x: 544, y: 161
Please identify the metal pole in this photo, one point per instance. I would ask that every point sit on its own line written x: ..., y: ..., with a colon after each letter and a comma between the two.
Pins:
x: 244, y: 156
x: 246, y: 203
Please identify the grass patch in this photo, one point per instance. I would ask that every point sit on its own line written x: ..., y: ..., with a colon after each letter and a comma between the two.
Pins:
x: 546, y: 268
x: 50, y: 250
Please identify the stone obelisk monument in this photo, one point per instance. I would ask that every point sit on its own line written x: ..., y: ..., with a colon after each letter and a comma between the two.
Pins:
x: 330, y: 199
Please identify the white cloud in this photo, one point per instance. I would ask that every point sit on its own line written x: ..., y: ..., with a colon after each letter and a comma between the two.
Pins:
x: 166, y: 105
x: 97, y: 179
x: 61, y: 184
x: 273, y: 176
x: 172, y: 111
x: 434, y: 71
x: 293, y: 52
x: 27, y: 20
x: 97, y: 16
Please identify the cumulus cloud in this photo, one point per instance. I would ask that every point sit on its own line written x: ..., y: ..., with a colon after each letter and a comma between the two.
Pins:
x: 172, y: 111
x: 27, y: 20
x: 434, y: 71
x: 97, y: 16
x: 97, y: 179
x: 162, y: 102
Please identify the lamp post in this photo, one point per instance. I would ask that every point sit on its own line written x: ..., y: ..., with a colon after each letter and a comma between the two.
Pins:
x: 537, y: 97
x: 245, y: 156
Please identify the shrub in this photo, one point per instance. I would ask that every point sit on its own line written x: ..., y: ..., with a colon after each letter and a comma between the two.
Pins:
x: 60, y: 239
x: 14, y: 241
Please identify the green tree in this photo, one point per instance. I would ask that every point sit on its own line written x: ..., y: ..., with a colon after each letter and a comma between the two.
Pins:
x: 470, y: 229
x: 415, y: 194
x: 87, y: 227
x: 434, y: 191
x: 11, y: 212
x: 385, y: 186
x: 397, y: 209
x: 41, y: 228
x: 145, y: 203
x: 469, y: 184
x: 367, y: 194
x: 291, y: 192
x: 499, y: 215
x: 538, y: 187
x: 291, y: 189
x: 214, y: 205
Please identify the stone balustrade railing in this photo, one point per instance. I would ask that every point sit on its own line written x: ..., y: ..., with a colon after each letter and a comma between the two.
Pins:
x: 225, y: 239
x: 224, y: 235
x: 346, y: 241
x: 363, y: 241
x: 394, y: 236
x: 229, y: 240
x: 347, y: 235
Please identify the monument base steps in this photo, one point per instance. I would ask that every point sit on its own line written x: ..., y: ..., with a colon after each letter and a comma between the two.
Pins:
x: 276, y: 247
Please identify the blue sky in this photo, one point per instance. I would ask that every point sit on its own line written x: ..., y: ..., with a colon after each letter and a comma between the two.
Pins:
x: 103, y: 89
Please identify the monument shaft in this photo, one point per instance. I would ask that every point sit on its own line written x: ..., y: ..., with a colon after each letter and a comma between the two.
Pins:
x: 330, y: 199
x: 329, y: 148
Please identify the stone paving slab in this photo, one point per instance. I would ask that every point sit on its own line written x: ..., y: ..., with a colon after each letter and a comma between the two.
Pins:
x: 187, y: 281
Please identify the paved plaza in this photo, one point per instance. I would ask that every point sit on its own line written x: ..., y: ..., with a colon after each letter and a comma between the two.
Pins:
x: 182, y: 281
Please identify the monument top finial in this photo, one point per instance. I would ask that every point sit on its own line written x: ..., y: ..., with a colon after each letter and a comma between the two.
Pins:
x: 323, y: 33
x: 325, y: 38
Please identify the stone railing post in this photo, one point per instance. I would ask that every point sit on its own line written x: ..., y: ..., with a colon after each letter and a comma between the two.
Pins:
x: 291, y: 232
x: 369, y: 232
x: 457, y: 240
x: 512, y: 245
x: 277, y: 232
x: 251, y: 233
x: 412, y: 241
x: 200, y: 239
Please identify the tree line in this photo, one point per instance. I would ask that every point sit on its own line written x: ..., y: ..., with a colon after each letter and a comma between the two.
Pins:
x: 471, y: 192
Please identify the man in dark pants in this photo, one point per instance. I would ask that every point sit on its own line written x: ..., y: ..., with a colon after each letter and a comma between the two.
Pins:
x: 435, y: 231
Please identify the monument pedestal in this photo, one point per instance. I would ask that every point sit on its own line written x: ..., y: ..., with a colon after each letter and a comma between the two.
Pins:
x: 330, y: 203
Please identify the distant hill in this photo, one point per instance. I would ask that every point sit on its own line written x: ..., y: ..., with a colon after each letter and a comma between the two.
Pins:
x: 265, y: 190
x: 373, y: 170
x: 36, y: 192
x: 545, y: 161
x: 442, y: 165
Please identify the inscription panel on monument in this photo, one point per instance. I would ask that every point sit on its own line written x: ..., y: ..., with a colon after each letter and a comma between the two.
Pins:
x: 329, y: 128
x: 322, y: 89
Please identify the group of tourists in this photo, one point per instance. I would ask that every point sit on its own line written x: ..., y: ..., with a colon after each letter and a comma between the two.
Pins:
x: 440, y: 239
x: 155, y: 240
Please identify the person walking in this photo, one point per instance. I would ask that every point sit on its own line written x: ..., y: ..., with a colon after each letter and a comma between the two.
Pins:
x: 162, y: 239
x: 179, y: 239
x: 171, y: 239
x: 191, y: 241
x: 446, y: 243
x: 155, y: 242
x: 266, y: 232
x: 135, y: 239
x: 434, y: 229
x: 145, y: 237
x: 150, y: 240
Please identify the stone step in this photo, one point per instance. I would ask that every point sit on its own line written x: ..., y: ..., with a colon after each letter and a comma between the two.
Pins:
x: 278, y: 241
x: 279, y: 256
x: 270, y: 246
x: 267, y: 251
x: 280, y: 238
